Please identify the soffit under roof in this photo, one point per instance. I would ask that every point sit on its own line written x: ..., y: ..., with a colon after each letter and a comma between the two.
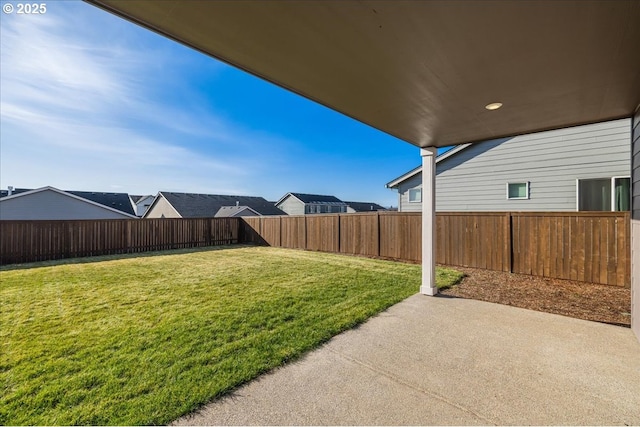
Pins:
x: 424, y: 70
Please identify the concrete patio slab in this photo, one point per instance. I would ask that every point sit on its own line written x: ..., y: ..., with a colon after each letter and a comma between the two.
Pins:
x: 448, y: 361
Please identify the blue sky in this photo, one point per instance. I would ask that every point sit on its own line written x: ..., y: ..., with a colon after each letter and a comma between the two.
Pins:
x: 92, y: 102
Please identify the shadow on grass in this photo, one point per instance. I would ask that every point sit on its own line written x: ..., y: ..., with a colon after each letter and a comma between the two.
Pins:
x: 101, y: 258
x: 453, y: 277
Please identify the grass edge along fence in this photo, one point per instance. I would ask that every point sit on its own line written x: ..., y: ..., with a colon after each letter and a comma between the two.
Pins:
x: 582, y: 246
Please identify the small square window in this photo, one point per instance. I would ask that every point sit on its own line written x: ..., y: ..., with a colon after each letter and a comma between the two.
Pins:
x: 517, y: 190
x: 415, y: 195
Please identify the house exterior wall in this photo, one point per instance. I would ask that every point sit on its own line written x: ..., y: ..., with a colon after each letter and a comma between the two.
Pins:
x: 404, y: 205
x: 292, y: 206
x: 324, y: 208
x: 51, y: 205
x: 635, y: 226
x: 475, y: 179
x: 245, y: 212
x: 143, y: 205
x: 162, y: 209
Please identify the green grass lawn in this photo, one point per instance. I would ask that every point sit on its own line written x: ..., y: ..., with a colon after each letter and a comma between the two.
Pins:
x: 143, y: 340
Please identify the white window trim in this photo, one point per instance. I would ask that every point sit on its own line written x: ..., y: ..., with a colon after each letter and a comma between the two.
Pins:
x: 409, y: 195
x: 613, y: 191
x: 518, y: 198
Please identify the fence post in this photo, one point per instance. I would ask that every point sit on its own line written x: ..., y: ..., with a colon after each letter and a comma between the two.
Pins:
x: 378, y: 222
x: 306, y: 239
x: 509, y: 241
x: 339, y: 220
x: 127, y: 230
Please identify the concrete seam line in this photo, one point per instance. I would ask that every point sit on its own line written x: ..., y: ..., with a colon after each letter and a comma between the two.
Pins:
x: 413, y: 387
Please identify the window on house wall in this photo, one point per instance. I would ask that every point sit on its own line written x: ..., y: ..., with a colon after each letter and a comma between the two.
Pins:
x: 604, y: 194
x: 622, y: 194
x: 517, y: 190
x: 415, y: 195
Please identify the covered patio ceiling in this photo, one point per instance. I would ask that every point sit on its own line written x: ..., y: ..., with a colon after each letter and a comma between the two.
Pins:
x: 423, y: 71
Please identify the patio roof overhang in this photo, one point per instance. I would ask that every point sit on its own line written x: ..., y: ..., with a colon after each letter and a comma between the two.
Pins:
x: 423, y: 71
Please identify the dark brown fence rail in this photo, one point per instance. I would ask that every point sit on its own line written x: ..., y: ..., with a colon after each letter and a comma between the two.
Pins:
x: 583, y: 246
x: 27, y: 241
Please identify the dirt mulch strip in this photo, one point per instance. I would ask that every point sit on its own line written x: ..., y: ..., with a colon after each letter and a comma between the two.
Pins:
x: 588, y: 301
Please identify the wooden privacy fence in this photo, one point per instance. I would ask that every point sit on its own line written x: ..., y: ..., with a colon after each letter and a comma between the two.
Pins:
x: 389, y: 235
x: 27, y: 241
x: 583, y: 246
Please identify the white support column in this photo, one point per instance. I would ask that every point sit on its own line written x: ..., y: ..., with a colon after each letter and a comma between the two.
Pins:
x: 428, y: 221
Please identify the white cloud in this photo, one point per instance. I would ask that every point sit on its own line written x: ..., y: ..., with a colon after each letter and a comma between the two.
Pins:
x: 91, y: 102
x: 79, y: 112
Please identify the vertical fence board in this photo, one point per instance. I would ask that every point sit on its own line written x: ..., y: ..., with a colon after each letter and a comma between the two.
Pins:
x: 323, y: 233
x: 359, y: 234
x: 582, y: 246
x: 400, y: 237
x: 293, y: 232
x: 622, y: 242
x: 587, y: 246
x: 29, y: 241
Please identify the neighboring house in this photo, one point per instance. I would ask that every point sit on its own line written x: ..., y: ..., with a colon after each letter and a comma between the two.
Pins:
x: 12, y: 191
x: 577, y: 168
x: 48, y: 203
x: 235, y: 211
x: 141, y: 203
x: 305, y: 204
x: 191, y: 205
x: 363, y: 207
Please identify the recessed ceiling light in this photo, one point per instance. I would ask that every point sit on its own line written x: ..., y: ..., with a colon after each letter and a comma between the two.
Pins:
x: 493, y: 106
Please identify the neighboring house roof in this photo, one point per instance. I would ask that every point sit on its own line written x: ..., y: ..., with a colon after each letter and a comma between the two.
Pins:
x: 332, y: 200
x: 116, y: 202
x: 141, y: 200
x: 5, y: 193
x: 230, y: 211
x: 413, y: 172
x: 138, y: 199
x: 312, y: 198
x: 193, y: 205
x: 365, y: 207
